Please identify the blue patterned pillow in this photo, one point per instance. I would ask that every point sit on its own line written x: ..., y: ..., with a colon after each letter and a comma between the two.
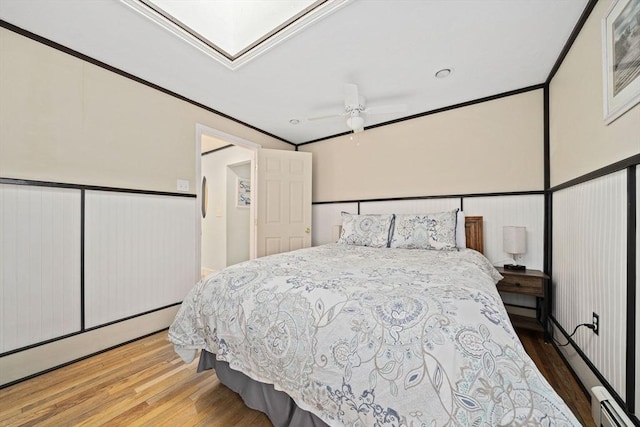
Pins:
x: 366, y: 230
x: 428, y: 231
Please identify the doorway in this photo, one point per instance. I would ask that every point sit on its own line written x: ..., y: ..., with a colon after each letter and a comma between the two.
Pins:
x: 225, y: 232
x: 238, y: 220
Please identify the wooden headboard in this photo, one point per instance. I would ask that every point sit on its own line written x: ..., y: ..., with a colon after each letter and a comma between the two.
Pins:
x: 473, y: 233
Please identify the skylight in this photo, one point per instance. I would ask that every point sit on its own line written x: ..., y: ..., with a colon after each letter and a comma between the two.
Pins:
x: 234, y: 31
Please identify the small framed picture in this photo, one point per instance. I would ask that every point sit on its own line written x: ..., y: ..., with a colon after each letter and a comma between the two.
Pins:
x: 244, y: 193
x: 621, y: 58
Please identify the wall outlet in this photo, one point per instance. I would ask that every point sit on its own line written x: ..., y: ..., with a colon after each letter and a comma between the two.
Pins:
x: 596, y: 322
x: 183, y: 185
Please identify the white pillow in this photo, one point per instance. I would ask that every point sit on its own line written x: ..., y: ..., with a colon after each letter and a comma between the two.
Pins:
x: 425, y: 231
x: 366, y: 230
x: 461, y: 236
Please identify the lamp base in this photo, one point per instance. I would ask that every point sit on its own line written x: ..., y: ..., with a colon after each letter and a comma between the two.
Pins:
x: 515, y: 267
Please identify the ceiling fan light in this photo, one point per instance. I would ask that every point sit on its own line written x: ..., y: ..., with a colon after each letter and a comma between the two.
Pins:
x: 355, y: 123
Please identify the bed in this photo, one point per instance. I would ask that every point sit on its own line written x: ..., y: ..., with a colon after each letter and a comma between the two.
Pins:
x: 359, y: 335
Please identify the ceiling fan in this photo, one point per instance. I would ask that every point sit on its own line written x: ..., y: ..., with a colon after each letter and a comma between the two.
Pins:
x: 355, y: 108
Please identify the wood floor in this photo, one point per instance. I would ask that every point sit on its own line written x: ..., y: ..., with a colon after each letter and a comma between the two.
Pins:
x: 146, y: 384
x: 550, y: 363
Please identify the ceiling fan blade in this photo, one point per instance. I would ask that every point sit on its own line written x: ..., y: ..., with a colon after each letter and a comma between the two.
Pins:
x: 326, y: 116
x: 351, y: 95
x: 386, y: 109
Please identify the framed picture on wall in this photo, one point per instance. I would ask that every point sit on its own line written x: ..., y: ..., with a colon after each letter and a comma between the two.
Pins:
x: 244, y: 193
x: 621, y: 58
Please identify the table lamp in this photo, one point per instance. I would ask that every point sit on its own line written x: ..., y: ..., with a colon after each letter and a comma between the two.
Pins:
x: 514, y: 242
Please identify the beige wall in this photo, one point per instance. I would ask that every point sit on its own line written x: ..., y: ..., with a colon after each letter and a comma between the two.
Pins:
x: 494, y: 146
x: 65, y: 120
x: 580, y: 142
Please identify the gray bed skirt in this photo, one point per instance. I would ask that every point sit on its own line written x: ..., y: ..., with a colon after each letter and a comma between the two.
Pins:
x: 279, y: 407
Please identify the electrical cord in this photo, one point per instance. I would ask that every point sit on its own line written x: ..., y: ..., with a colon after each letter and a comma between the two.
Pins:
x: 588, y: 325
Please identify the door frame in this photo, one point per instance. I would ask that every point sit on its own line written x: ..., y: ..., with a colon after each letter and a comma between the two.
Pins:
x: 240, y: 142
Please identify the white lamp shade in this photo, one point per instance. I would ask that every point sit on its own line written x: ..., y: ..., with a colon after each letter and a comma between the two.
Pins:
x: 514, y: 239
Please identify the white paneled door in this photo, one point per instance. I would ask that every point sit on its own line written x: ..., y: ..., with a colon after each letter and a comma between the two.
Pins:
x: 283, y: 201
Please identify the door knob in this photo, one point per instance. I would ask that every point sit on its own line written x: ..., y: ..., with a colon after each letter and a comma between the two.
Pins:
x: 307, y: 230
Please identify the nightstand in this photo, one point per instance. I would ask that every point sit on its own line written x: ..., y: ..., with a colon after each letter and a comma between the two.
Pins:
x: 528, y: 282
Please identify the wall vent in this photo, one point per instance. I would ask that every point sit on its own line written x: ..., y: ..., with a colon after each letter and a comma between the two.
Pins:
x: 605, y: 410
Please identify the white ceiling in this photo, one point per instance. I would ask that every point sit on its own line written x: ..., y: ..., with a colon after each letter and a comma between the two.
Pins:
x: 390, y: 48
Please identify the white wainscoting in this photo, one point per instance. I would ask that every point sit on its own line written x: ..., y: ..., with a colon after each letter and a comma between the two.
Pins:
x: 589, y: 269
x: 326, y: 221
x: 39, y: 264
x: 139, y: 253
x: 498, y: 211
x: 522, y: 210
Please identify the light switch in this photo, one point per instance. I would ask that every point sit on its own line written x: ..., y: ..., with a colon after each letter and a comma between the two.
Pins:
x: 183, y: 185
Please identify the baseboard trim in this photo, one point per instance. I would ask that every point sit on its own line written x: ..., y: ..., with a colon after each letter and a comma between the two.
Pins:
x: 31, y: 363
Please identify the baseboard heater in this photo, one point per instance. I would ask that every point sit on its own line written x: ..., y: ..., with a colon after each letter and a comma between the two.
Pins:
x: 605, y: 410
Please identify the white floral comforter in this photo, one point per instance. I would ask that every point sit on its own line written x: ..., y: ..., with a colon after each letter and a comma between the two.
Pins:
x: 365, y: 337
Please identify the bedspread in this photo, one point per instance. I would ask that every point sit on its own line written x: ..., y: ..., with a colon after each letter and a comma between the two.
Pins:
x: 372, y: 336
